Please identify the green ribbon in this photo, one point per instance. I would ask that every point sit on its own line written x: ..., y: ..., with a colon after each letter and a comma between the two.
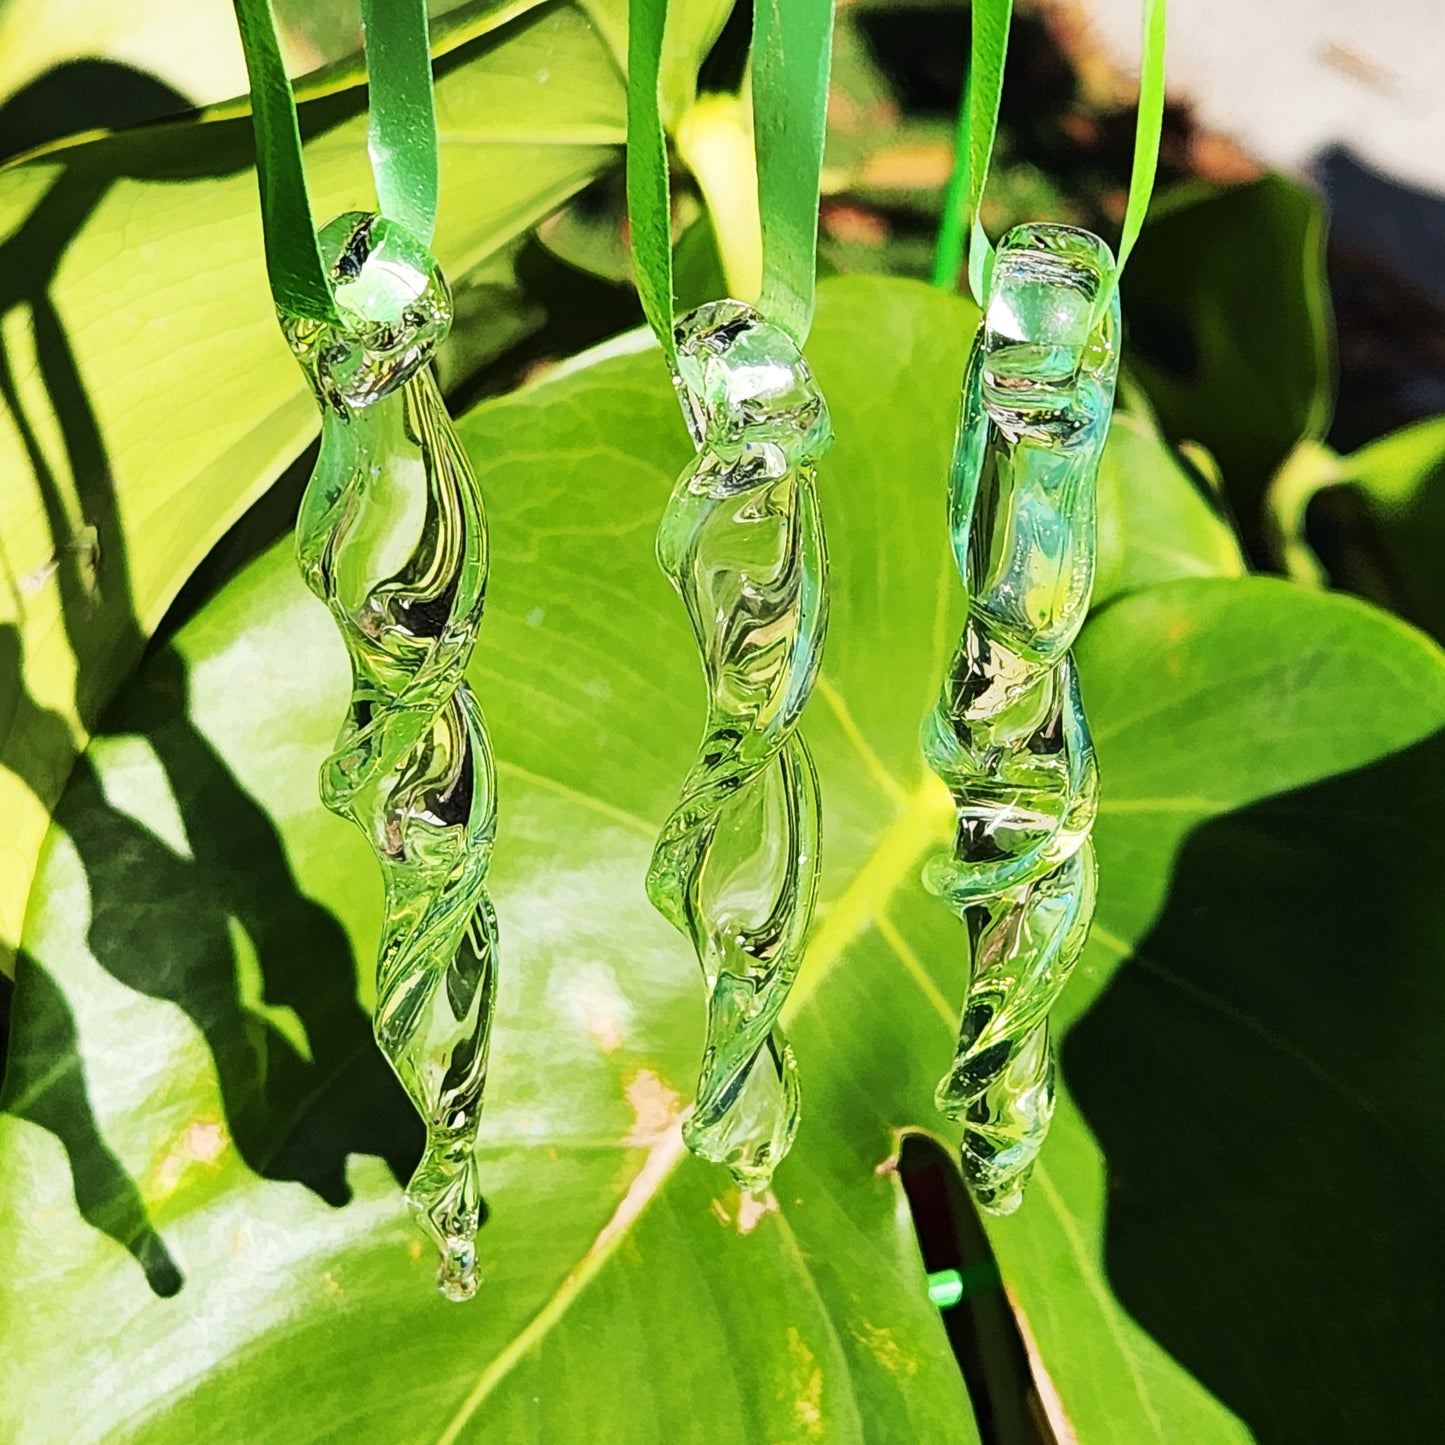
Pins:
x: 792, y: 54
x: 991, y: 20
x: 649, y: 201
x: 402, y: 135
x: 1148, y: 127
x: 973, y: 150
x: 791, y: 58
x: 299, y: 283
x: 402, y: 140
x: 978, y: 125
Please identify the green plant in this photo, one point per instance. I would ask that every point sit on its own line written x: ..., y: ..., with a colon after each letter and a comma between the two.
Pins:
x: 200, y: 1150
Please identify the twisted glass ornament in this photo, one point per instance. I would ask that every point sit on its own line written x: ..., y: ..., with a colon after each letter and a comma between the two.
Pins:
x: 736, y: 864
x: 392, y: 537
x: 1008, y: 735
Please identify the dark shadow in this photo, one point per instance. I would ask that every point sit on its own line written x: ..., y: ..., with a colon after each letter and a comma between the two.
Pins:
x: 45, y: 1084
x: 725, y: 66
x: 1387, y: 276
x: 83, y: 95
x: 37, y: 739
x: 575, y: 310
x: 1264, y: 1077
x: 1389, y: 557
x: 981, y: 1326
x: 184, y: 929
x: 199, y: 931
x: 7, y: 996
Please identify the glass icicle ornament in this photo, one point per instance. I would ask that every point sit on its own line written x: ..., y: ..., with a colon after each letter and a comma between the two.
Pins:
x: 392, y: 537
x: 1008, y: 735
x: 736, y: 864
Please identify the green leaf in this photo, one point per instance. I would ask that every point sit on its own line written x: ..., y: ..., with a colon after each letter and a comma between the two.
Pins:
x: 107, y: 66
x: 1228, y: 328
x: 1373, y: 522
x: 189, y: 54
x: 148, y: 396
x: 1155, y: 525
x: 1259, y: 1076
x: 193, y: 1090
x: 1305, y: 472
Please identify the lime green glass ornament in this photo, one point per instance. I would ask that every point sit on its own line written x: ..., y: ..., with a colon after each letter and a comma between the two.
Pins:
x: 392, y: 537
x: 1009, y: 736
x: 736, y: 864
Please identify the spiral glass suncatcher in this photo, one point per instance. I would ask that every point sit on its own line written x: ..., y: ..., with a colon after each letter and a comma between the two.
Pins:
x: 1008, y: 735
x: 736, y: 864
x: 392, y: 537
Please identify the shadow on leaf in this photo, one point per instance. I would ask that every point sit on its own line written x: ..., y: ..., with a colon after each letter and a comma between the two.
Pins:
x: 266, y: 974
x: 1276, y: 1140
x: 45, y: 1084
x: 83, y: 95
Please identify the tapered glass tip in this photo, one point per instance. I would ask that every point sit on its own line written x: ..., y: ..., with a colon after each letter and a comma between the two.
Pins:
x: 457, y: 1275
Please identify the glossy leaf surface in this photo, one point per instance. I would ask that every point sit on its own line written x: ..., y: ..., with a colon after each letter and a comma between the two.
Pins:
x: 147, y: 395
x: 192, y: 1071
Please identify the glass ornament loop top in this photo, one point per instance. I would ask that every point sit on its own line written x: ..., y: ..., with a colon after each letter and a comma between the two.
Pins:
x: 748, y: 394
x: 1009, y: 736
x: 394, y: 309
x: 736, y: 864
x: 392, y: 537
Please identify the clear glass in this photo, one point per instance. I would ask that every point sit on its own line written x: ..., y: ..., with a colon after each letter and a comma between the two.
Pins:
x: 1009, y: 736
x: 736, y: 864
x: 392, y: 537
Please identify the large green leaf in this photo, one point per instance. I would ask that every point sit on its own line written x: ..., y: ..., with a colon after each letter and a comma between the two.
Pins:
x: 90, y: 64
x: 148, y: 397
x: 192, y: 1090
x: 1236, y: 1074
x: 1262, y: 1075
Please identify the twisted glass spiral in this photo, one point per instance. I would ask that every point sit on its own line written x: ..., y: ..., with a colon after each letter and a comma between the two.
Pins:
x: 1008, y: 735
x: 736, y: 864
x: 392, y: 537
